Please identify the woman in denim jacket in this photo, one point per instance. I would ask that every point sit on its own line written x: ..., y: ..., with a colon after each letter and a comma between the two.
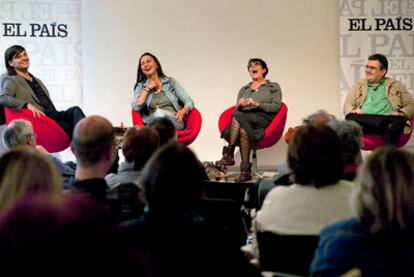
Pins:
x: 156, y: 95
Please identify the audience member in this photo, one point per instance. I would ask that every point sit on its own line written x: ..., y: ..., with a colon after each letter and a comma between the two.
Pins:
x: 318, y: 117
x: 138, y: 145
x: 165, y: 128
x: 24, y: 170
x: 317, y: 196
x: 173, y: 234
x: 379, y: 241
x: 94, y: 148
x: 350, y: 136
x: 20, y: 132
x: 46, y: 232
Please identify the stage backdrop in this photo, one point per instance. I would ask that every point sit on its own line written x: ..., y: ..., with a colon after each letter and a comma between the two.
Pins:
x: 376, y: 26
x: 50, y: 30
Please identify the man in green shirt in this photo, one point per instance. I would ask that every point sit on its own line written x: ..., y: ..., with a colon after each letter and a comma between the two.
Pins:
x: 381, y: 105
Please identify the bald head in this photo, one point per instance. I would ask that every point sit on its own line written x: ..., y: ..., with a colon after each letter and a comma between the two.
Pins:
x: 93, y: 137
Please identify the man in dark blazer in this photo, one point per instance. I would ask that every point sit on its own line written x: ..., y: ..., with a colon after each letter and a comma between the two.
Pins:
x: 20, y: 89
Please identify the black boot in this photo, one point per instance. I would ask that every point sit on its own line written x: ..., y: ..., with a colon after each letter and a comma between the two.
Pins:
x: 228, y: 156
x: 245, y: 173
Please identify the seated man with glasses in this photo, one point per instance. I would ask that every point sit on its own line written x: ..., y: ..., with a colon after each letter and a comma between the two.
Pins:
x: 20, y: 132
x: 381, y: 105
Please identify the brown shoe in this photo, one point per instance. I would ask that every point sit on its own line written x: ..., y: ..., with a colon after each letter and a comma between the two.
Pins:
x: 228, y: 156
x: 245, y: 173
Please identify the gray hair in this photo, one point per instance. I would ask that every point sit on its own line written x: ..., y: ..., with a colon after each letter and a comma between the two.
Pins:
x: 16, y: 133
x: 350, y: 135
x: 319, y: 117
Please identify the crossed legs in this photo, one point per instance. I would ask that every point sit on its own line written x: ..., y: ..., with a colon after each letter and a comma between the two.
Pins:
x: 238, y: 134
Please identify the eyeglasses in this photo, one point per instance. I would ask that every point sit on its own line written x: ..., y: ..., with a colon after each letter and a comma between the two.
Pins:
x: 253, y: 63
x: 371, y: 67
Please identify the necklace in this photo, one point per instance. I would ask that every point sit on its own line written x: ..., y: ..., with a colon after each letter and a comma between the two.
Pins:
x: 156, y: 98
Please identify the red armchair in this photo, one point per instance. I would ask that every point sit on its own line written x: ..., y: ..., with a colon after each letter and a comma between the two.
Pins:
x: 49, y: 134
x: 370, y: 142
x: 186, y: 136
x: 272, y: 134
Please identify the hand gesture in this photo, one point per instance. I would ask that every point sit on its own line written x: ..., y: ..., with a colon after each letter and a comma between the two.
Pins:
x: 36, y: 112
x: 396, y: 113
x: 251, y: 102
x: 153, y: 85
x: 243, y: 102
x: 356, y: 111
x: 181, y: 114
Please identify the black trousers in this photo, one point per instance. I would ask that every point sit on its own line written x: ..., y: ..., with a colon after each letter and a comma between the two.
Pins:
x: 68, y: 119
x: 389, y: 126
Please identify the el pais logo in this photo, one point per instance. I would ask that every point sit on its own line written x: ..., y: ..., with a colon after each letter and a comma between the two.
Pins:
x: 42, y: 30
x: 380, y: 15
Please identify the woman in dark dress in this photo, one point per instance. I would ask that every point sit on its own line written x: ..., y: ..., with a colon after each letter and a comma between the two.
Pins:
x: 257, y: 104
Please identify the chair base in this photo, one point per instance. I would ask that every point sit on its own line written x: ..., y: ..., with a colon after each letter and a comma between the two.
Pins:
x: 255, y: 172
x: 254, y: 161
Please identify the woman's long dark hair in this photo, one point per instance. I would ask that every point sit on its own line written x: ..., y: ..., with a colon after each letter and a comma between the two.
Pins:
x: 172, y: 179
x: 141, y: 77
x: 10, y: 53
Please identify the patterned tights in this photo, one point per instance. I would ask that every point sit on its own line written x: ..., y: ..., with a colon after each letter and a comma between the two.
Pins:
x: 237, y: 133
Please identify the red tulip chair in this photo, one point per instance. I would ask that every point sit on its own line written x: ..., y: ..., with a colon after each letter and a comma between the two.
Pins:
x: 186, y: 136
x: 272, y: 134
x: 371, y: 141
x: 49, y: 134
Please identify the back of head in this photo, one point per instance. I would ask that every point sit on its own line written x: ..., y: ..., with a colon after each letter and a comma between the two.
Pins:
x: 47, y: 230
x: 315, y: 156
x: 24, y: 170
x: 165, y: 128
x: 17, y: 132
x: 350, y: 135
x: 385, y: 191
x: 93, y: 137
x: 10, y: 53
x: 172, y: 178
x: 319, y: 117
x: 139, y: 144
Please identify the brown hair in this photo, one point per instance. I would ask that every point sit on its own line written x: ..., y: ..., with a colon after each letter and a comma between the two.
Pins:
x: 315, y: 156
x: 172, y: 178
x: 139, y: 144
x: 141, y: 77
